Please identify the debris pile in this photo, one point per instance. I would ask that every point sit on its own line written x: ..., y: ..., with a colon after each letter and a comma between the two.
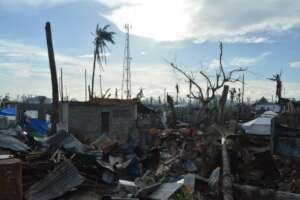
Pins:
x: 181, y: 164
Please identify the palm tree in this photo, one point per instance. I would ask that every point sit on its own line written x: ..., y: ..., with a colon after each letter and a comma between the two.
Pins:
x: 102, y: 38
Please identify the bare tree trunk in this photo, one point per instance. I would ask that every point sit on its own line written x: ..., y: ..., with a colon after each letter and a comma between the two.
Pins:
x: 248, y: 192
x: 55, y: 112
x: 93, y: 76
x: 227, y: 177
x: 173, y: 121
x: 222, y: 103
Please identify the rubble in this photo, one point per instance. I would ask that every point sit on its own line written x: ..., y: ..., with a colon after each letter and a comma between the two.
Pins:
x: 65, y: 177
x: 182, y: 164
x: 12, y: 143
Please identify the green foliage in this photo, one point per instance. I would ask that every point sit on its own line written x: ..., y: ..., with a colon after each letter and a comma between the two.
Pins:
x: 183, y: 194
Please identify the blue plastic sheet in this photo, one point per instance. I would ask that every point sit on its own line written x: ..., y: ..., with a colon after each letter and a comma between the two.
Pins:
x: 8, y: 112
x: 39, y: 126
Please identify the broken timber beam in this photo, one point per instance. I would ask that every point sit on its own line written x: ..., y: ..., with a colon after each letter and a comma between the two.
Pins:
x: 227, y: 177
x: 248, y: 192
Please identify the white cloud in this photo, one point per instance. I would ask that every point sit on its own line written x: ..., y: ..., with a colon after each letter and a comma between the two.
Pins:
x: 214, y: 64
x: 259, y: 88
x: 248, y: 61
x: 237, y: 61
x: 17, y: 4
x: 198, y: 20
x: 25, y: 69
x: 295, y: 64
x: 143, y: 53
x: 205, y: 20
x: 29, y: 73
x: 92, y: 56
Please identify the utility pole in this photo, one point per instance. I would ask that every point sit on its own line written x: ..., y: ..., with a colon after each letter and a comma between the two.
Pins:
x: 190, y: 92
x: 100, y: 84
x: 243, y: 89
x: 116, y: 93
x: 126, y: 79
x: 85, y: 86
x: 67, y: 94
x: 177, y: 93
x: 165, y: 96
x: 61, y: 85
x: 55, y: 112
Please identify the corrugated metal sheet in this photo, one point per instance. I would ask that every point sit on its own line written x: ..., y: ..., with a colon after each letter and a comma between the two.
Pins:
x: 285, y: 141
x: 10, y: 142
x: 65, y: 177
x: 67, y: 141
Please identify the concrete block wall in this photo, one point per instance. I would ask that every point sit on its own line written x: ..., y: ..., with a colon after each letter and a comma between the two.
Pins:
x: 84, y: 121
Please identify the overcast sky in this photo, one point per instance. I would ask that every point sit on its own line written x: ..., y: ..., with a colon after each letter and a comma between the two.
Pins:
x: 262, y: 35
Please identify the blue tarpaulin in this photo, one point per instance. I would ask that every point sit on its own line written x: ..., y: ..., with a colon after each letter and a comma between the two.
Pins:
x: 39, y: 126
x: 8, y: 112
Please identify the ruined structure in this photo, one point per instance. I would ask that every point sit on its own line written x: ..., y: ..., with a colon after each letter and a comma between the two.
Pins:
x: 88, y: 120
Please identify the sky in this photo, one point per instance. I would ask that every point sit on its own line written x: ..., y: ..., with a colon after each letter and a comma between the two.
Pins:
x: 262, y: 35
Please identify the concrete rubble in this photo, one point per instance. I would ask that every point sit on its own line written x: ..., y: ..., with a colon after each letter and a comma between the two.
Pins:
x: 181, y: 164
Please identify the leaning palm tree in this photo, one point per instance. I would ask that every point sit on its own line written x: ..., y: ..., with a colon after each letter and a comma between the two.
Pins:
x: 102, y: 38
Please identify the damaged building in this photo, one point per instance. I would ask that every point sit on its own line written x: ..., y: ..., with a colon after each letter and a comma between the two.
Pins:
x: 115, y: 118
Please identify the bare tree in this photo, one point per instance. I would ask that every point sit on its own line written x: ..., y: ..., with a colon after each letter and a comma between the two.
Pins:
x: 140, y: 94
x: 277, y: 79
x: 205, y: 95
x: 173, y: 118
x: 55, y: 106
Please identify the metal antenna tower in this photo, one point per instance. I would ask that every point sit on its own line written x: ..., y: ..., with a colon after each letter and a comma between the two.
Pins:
x: 126, y: 79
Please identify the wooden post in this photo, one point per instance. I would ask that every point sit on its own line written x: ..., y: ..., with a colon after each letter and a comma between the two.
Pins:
x: 61, y: 85
x: 243, y: 88
x: 85, y: 86
x: 55, y: 115
x: 93, y: 76
x: 89, y: 90
x: 222, y: 103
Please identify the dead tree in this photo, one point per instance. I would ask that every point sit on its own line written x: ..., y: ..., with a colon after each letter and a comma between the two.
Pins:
x: 277, y: 79
x: 221, y: 77
x: 55, y: 112
x: 222, y: 103
x: 140, y: 94
x: 248, y: 192
x: 206, y: 95
x: 173, y: 118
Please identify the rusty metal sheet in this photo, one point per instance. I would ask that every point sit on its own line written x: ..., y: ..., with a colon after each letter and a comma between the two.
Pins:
x: 11, y: 179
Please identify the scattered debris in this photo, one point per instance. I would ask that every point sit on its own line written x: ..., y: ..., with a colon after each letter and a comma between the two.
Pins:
x: 12, y: 143
x: 64, y: 178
